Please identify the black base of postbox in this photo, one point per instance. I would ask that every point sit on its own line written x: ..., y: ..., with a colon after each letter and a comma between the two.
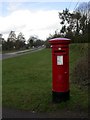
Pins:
x: 58, y: 97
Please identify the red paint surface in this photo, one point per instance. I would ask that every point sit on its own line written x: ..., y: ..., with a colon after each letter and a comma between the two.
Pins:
x: 60, y: 73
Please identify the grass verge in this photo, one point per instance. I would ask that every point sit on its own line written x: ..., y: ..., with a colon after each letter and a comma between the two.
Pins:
x: 27, y: 83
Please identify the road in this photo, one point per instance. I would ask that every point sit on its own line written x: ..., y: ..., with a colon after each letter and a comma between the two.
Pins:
x: 12, y: 113
x: 14, y: 54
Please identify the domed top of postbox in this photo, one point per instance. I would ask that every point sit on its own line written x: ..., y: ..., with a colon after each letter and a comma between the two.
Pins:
x: 59, y: 41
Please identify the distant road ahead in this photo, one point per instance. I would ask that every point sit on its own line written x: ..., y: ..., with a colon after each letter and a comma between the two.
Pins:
x: 14, y: 54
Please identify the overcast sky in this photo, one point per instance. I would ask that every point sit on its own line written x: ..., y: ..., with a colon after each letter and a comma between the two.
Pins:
x: 33, y: 17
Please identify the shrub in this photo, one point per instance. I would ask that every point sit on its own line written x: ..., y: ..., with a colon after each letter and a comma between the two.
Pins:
x: 80, y: 72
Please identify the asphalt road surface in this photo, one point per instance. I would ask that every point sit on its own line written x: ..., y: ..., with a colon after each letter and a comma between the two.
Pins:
x: 12, y: 113
x: 14, y: 54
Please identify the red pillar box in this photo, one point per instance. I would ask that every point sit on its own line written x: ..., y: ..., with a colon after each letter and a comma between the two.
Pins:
x: 60, y: 69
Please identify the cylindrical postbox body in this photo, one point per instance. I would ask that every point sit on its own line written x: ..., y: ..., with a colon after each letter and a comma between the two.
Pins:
x: 60, y: 69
